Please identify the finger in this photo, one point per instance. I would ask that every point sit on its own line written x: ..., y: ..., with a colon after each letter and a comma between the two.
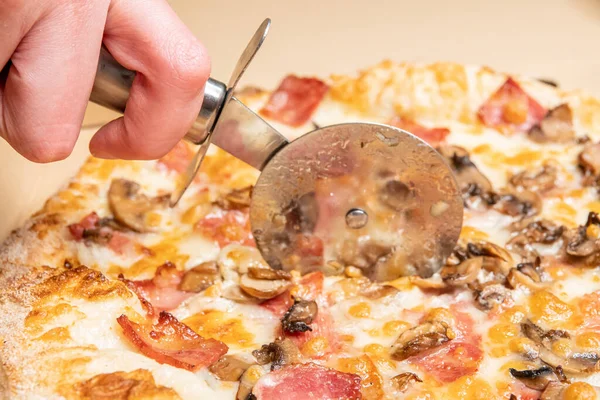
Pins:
x: 172, y: 67
x: 50, y: 80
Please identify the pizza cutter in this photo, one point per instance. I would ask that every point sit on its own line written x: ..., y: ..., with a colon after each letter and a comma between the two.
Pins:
x: 365, y: 195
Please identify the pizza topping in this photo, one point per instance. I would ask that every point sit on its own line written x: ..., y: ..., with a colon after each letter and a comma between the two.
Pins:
x: 229, y: 368
x: 308, y: 381
x: 132, y: 208
x: 556, y: 127
x: 489, y: 295
x: 463, y: 273
x: 584, y: 241
x: 469, y: 178
x: 525, y: 275
x: 433, y: 136
x: 299, y: 316
x: 279, y: 354
x: 102, y: 231
x: 510, y: 107
x: 227, y: 226
x: 537, y: 379
x: 516, y: 203
x: 553, y: 391
x: 236, y: 199
x: 295, y: 100
x: 423, y: 337
x: 163, y: 290
x: 172, y: 342
x: 589, y: 163
x: 403, y: 381
x: 396, y: 195
x: 542, y: 178
x: 200, y: 277
x: 265, y: 283
x: 249, y: 378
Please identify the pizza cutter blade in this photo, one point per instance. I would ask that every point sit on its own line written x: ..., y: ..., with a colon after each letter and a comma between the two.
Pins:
x: 364, y: 195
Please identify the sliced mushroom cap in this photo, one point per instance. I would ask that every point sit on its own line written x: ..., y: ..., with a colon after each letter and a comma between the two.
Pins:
x: 495, y: 259
x: 524, y: 275
x: 575, y: 364
x: 536, y: 379
x: 131, y: 208
x: 463, y: 273
x: 579, y: 243
x: 200, y: 277
x: 420, y: 338
x: 403, y: 381
x: 516, y: 203
x: 465, y: 171
x: 433, y: 283
x: 279, y: 353
x: 229, y: 368
x: 264, y: 288
x: 588, y: 159
x: 248, y: 380
x: 268, y: 274
x: 538, y: 179
x: 237, y: 199
x: 300, y: 316
x: 490, y: 294
x: 363, y: 254
x: 556, y: 127
x: 543, y: 231
x: 376, y: 292
x: 233, y: 292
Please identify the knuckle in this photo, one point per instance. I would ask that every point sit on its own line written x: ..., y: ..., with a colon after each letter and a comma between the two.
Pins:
x: 189, y: 64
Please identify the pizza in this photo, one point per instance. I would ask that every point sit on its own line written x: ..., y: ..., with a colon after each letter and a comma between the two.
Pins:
x: 107, y: 293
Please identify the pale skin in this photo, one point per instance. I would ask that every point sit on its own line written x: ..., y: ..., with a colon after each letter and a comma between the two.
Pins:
x: 49, y: 50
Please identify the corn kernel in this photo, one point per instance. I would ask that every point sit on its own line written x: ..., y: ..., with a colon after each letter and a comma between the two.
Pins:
x: 394, y: 328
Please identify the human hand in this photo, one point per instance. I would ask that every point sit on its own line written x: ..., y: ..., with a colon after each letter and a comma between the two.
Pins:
x: 50, y: 49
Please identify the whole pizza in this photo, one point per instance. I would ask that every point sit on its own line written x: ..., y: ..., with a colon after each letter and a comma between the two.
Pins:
x: 108, y: 293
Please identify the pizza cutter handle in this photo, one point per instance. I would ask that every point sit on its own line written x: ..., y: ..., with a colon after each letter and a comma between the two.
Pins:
x: 113, y: 83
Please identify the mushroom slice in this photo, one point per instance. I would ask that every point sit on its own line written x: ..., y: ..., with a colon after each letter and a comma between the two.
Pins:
x: 236, y: 199
x: 579, y: 242
x: 556, y: 127
x: 515, y: 203
x: 465, y: 171
x: 494, y: 258
x: 543, y: 231
x: 489, y: 295
x: 264, y: 286
x: 536, y: 379
x: 200, y: 277
x: 433, y: 283
x: 524, y: 275
x: 300, y: 316
x: 229, y: 368
x: 375, y: 292
x: 588, y: 159
x: 403, y: 381
x: 420, y: 338
x: 236, y: 294
x: 575, y: 364
x: 463, y: 273
x: 130, y: 208
x: 248, y: 380
x: 279, y: 353
x: 542, y: 178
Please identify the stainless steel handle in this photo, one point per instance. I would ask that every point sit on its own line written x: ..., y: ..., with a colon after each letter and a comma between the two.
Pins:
x: 113, y: 83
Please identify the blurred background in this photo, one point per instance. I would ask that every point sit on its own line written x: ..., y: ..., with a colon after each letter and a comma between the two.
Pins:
x: 554, y: 39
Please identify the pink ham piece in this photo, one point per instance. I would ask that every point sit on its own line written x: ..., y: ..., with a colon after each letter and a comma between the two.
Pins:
x: 510, y: 107
x: 307, y: 381
x: 433, y: 136
x: 295, y: 100
x: 172, y: 342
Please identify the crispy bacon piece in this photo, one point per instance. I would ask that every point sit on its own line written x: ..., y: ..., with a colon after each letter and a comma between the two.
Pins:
x: 225, y: 227
x: 433, y: 136
x: 172, y: 342
x: 295, y: 100
x: 162, y: 290
x: 177, y: 159
x: 307, y: 381
x: 511, y: 107
x: 456, y: 358
x: 101, y: 231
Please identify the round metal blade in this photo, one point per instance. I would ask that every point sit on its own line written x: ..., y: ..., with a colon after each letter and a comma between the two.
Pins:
x: 365, y: 195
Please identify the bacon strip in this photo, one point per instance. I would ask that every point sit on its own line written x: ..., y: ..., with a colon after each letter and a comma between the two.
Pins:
x: 172, y: 342
x: 162, y: 290
x: 100, y: 231
x: 433, y: 136
x: 295, y: 100
x: 307, y: 381
x: 511, y: 107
